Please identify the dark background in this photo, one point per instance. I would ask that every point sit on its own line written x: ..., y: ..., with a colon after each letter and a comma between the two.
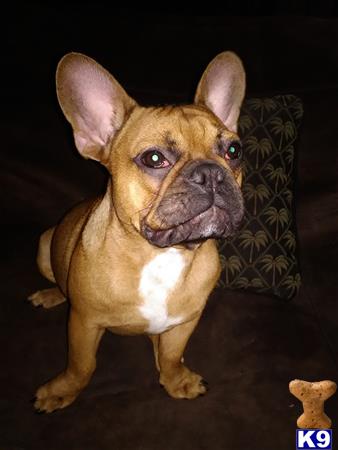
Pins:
x: 247, y: 346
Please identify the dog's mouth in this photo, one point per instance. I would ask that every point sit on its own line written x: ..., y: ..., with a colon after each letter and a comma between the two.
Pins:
x: 213, y: 223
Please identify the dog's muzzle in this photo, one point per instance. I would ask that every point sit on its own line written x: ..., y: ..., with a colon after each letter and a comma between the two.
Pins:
x: 204, y: 201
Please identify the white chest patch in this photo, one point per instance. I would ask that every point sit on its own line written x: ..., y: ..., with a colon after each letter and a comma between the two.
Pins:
x: 158, y: 278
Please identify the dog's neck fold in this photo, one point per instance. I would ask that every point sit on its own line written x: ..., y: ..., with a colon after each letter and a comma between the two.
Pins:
x: 106, y: 230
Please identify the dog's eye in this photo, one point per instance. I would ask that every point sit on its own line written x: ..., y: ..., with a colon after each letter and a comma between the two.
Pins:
x: 154, y: 159
x: 234, y: 151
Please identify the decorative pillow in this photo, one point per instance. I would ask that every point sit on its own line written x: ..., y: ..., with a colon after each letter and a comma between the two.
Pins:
x: 261, y: 257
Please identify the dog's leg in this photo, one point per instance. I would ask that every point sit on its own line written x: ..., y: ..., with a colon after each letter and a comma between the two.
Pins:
x: 155, y: 340
x: 43, y: 257
x: 83, y: 341
x: 177, y: 379
x: 47, y: 297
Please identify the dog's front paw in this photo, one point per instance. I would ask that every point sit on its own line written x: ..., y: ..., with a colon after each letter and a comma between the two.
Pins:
x: 184, y: 384
x: 54, y: 395
x: 51, y: 403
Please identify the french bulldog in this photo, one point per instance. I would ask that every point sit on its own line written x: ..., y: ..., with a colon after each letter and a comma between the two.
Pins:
x: 142, y: 258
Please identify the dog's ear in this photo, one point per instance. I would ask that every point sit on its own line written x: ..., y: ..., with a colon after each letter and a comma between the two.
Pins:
x: 93, y: 102
x: 222, y: 88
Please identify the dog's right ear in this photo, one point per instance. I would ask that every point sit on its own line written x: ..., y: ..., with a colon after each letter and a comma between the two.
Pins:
x: 222, y: 88
x: 93, y: 102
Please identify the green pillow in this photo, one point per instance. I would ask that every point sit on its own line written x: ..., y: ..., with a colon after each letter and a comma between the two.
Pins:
x: 262, y: 256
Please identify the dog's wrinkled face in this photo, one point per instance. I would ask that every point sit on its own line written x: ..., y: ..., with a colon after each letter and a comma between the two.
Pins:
x: 181, y: 177
x: 176, y: 170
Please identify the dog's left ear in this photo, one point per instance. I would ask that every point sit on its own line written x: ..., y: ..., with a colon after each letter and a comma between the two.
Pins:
x: 222, y: 88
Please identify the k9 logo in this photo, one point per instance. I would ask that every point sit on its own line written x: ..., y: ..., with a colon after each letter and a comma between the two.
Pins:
x: 317, y: 439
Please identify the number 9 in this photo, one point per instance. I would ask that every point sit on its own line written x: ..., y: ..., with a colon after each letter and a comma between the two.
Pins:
x: 323, y: 438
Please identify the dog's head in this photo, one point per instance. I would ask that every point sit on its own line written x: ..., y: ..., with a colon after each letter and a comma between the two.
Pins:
x: 176, y: 170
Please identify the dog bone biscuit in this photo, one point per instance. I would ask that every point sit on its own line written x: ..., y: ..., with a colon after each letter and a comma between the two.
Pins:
x: 313, y: 396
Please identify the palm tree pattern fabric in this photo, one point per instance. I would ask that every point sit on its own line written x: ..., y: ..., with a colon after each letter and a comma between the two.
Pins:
x: 262, y: 257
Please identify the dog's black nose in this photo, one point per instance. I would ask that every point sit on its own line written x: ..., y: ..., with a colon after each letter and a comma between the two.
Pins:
x: 208, y: 175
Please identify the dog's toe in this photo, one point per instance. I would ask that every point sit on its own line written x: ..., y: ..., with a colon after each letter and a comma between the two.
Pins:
x: 205, y: 384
